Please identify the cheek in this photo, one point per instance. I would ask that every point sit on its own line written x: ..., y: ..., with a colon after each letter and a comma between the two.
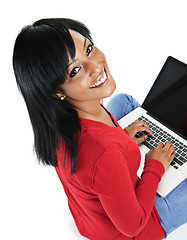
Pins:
x: 76, y: 88
x: 111, y: 88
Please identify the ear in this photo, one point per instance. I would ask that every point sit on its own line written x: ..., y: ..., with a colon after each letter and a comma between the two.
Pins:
x: 59, y: 95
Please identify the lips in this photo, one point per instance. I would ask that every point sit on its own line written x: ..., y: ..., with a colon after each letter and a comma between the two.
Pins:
x: 101, y: 80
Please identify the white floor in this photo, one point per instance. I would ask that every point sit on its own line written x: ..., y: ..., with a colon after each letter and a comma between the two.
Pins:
x: 136, y: 38
x: 179, y: 234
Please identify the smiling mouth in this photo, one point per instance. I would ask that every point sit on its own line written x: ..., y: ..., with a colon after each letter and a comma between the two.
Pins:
x: 102, y: 79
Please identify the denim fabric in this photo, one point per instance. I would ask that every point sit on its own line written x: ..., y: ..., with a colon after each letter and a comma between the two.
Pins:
x: 121, y: 104
x: 173, y: 208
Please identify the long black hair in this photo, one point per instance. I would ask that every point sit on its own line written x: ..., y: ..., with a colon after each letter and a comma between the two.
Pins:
x: 40, y: 61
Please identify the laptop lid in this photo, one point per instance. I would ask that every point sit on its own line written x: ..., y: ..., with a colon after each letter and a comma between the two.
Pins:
x: 167, y: 99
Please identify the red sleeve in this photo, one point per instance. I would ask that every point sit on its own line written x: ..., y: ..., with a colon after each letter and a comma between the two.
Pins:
x: 126, y: 131
x: 128, y: 209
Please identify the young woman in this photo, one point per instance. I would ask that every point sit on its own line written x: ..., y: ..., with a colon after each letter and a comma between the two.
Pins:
x: 63, y: 77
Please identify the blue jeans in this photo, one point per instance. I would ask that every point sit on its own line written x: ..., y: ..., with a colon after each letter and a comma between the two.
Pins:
x: 173, y: 208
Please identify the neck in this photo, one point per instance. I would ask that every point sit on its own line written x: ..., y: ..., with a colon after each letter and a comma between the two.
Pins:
x: 90, y: 110
x: 94, y: 111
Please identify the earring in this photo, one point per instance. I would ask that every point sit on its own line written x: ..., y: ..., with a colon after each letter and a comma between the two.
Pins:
x: 62, y: 98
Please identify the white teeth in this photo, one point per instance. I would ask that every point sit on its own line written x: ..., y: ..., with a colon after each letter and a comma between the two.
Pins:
x: 102, y: 80
x: 98, y: 83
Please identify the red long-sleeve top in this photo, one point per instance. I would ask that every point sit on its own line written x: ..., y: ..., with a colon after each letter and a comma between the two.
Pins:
x: 105, y: 196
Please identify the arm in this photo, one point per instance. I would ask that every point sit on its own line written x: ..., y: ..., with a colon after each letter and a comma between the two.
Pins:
x: 128, y: 209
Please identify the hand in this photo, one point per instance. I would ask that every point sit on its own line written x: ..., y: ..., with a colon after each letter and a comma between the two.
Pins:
x: 163, y: 153
x: 136, y: 127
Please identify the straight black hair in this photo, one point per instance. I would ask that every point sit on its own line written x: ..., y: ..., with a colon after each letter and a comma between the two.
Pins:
x: 40, y: 62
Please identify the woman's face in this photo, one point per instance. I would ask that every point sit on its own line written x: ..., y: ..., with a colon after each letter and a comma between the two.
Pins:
x: 88, y: 78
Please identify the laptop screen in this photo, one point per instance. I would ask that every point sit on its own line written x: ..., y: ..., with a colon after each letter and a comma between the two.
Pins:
x: 167, y: 99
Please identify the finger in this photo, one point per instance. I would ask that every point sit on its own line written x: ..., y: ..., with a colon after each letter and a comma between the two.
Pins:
x: 172, y: 156
x: 145, y: 124
x: 142, y: 129
x: 141, y: 123
x: 160, y: 145
x: 141, y: 139
x: 167, y: 146
x: 172, y: 150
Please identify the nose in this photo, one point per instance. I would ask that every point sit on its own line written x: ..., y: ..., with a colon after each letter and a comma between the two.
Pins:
x: 94, y: 68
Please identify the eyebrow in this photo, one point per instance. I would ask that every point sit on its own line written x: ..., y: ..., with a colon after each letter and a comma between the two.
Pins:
x: 85, y: 42
x: 74, y: 60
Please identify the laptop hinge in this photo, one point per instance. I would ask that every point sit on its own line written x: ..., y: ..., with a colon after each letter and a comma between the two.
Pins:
x: 165, y: 124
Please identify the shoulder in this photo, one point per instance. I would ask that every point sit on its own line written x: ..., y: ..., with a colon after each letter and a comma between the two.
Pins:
x: 97, y: 138
x: 99, y: 144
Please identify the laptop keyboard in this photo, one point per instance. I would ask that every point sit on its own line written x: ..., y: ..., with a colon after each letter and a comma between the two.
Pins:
x: 159, y: 135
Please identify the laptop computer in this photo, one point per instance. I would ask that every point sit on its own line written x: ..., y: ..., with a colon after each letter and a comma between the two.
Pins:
x: 165, y: 111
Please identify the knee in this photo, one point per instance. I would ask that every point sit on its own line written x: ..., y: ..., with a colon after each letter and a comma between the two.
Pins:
x: 124, y: 98
x: 121, y: 96
x: 121, y: 104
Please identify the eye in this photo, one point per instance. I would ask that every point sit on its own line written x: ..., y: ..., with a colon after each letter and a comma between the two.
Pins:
x: 74, y: 71
x: 89, y: 49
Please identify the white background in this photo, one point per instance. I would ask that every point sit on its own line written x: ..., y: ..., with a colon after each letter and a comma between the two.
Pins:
x: 136, y: 37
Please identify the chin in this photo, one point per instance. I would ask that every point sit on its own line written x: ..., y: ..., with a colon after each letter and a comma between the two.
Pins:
x: 109, y: 91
